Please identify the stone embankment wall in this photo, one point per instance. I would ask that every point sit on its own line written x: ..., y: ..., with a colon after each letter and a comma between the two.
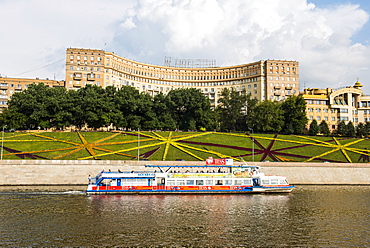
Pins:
x: 76, y: 172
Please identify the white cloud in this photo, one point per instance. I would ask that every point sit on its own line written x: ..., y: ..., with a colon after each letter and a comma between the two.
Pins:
x: 237, y: 32
x: 232, y: 32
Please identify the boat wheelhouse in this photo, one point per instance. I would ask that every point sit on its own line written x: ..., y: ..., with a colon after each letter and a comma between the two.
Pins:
x: 169, y: 179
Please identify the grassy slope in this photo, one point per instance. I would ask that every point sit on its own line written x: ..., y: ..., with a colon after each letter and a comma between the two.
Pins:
x: 183, y: 145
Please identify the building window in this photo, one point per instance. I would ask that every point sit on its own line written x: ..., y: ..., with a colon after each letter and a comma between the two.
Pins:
x: 333, y: 118
x: 318, y: 118
x: 318, y: 110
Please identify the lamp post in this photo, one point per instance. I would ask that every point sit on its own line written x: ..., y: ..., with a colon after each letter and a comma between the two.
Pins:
x: 252, y: 142
x: 2, y: 143
x: 138, y: 144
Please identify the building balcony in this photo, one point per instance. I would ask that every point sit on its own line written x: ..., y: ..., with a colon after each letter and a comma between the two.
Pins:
x: 277, y: 94
x: 288, y: 87
x: 91, y: 77
x: 77, y: 76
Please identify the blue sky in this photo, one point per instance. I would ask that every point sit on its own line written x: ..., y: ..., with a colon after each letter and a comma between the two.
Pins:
x: 330, y: 39
x: 364, y: 34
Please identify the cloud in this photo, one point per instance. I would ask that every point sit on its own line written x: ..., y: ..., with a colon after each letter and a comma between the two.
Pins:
x: 35, y: 33
x: 238, y: 32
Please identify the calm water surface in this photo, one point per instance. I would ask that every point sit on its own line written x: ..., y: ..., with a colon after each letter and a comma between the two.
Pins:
x: 310, y: 216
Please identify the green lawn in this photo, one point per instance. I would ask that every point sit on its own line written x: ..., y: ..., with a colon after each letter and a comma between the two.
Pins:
x: 183, y: 145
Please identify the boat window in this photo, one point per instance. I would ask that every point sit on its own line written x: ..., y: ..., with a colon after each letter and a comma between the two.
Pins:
x: 274, y: 181
x: 265, y: 181
x: 219, y: 182
x: 171, y: 182
x: 209, y: 182
x: 189, y: 182
x: 238, y: 182
x: 199, y: 182
x: 105, y: 182
x: 247, y: 181
x: 134, y: 182
x: 283, y: 181
x: 228, y: 182
x: 180, y: 182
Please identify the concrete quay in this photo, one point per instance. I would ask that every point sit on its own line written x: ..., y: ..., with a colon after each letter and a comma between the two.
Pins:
x: 76, y: 172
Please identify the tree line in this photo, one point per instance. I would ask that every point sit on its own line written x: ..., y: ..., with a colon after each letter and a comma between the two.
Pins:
x: 181, y: 109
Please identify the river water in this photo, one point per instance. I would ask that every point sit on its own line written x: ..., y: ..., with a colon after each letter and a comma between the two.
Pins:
x: 310, y: 216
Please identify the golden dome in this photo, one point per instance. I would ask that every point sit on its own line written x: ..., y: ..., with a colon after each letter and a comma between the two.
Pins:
x: 357, y: 84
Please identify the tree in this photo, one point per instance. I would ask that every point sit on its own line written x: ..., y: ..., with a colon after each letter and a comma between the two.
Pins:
x: 342, y: 128
x: 295, y: 119
x: 136, y: 109
x: 33, y: 103
x: 12, y: 119
x: 95, y: 106
x: 268, y: 117
x: 190, y: 109
x: 251, y: 108
x: 314, y: 128
x: 162, y: 112
x: 324, y: 128
x: 350, y: 129
x: 367, y: 128
x: 229, y: 111
x: 361, y: 130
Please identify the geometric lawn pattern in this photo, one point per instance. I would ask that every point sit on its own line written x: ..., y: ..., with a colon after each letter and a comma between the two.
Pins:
x: 183, y: 145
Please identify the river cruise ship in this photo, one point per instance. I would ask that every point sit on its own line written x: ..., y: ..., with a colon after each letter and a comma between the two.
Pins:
x: 173, y: 179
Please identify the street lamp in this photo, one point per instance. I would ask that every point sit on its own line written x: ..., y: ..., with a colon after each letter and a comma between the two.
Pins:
x: 138, y: 144
x: 252, y: 142
x: 2, y: 143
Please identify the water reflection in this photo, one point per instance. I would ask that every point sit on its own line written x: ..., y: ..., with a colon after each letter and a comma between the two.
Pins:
x: 323, y: 216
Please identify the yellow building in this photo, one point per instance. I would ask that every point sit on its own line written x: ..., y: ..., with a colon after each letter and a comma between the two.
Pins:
x: 269, y: 79
x: 8, y: 86
x: 343, y: 104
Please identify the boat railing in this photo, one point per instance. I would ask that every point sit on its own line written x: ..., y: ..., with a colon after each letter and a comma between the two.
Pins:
x: 200, y: 174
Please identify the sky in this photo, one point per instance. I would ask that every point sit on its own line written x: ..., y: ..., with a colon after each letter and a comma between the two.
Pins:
x: 329, y: 38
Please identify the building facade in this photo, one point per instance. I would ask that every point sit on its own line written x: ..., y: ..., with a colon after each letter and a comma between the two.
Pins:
x: 263, y: 80
x: 9, y: 86
x: 333, y: 106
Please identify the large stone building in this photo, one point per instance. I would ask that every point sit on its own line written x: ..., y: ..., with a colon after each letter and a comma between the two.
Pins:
x: 263, y: 80
x: 333, y: 106
x: 268, y: 79
x: 8, y: 86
